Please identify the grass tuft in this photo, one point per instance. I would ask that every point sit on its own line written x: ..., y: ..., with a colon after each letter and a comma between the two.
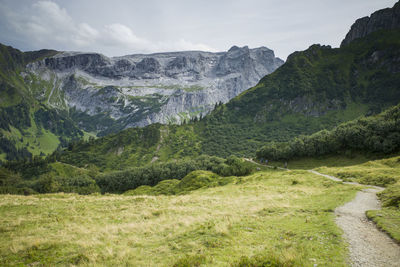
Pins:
x: 262, y: 215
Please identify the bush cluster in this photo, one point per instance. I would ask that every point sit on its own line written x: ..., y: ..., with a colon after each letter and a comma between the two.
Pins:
x: 375, y: 134
x: 151, y: 175
x: 38, y: 176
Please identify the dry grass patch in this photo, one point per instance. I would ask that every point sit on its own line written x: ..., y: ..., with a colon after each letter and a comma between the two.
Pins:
x: 260, y: 215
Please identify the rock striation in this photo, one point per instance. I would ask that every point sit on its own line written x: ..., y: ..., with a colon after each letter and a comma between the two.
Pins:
x: 384, y: 19
x: 137, y: 90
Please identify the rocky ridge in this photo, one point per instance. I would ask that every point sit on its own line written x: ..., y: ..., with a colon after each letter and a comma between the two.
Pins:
x: 137, y: 90
x: 384, y: 19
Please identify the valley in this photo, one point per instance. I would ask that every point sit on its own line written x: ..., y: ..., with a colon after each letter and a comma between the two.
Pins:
x: 272, y: 216
x: 245, y: 221
x: 198, y: 158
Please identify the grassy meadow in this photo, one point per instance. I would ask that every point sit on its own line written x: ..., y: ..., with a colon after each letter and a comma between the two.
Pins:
x: 384, y: 173
x: 281, y: 218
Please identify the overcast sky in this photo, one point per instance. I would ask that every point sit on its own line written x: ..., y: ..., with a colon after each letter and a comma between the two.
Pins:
x: 120, y: 27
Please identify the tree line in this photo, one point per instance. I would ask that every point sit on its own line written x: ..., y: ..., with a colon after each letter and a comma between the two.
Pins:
x: 375, y: 134
x: 36, y: 176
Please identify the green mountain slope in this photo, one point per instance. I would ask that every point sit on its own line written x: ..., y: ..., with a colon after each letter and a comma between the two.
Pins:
x: 374, y: 134
x: 315, y: 89
x: 27, y: 125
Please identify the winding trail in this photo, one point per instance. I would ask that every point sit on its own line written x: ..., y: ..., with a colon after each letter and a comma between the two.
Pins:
x: 368, y: 246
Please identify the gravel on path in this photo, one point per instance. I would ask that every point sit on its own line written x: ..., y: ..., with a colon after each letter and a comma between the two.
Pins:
x: 368, y: 246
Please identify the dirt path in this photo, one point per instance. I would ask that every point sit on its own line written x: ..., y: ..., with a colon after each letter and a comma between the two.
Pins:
x: 368, y: 246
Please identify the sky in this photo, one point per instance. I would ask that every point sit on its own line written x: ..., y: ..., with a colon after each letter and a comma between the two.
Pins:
x: 122, y: 27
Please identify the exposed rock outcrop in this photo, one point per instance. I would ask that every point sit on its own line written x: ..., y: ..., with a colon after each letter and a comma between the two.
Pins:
x: 388, y: 18
x: 137, y: 90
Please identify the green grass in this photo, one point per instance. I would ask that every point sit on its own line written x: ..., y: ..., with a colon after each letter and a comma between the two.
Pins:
x: 308, y: 163
x: 262, y: 217
x: 47, y: 143
x: 193, y: 181
x: 378, y: 172
x: 388, y: 220
x: 383, y: 172
x: 36, y: 140
x: 65, y: 170
x: 87, y: 135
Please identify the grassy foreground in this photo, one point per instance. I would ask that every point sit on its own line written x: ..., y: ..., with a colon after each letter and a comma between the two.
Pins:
x: 272, y: 216
x: 388, y: 220
x: 385, y: 173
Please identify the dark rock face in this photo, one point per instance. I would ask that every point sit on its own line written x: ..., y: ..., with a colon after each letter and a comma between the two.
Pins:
x: 384, y: 19
x: 148, y: 65
x: 87, y: 62
x: 251, y: 63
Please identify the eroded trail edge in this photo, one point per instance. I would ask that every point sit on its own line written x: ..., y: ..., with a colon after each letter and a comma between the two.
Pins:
x: 368, y: 246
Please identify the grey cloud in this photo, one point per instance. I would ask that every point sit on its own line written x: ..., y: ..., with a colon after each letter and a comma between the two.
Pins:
x: 48, y: 23
x: 121, y: 27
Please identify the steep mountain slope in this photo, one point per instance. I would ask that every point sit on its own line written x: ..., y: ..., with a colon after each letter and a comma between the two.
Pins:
x: 49, y: 97
x: 388, y: 18
x: 110, y: 94
x: 373, y: 134
x: 315, y: 89
x: 26, y: 126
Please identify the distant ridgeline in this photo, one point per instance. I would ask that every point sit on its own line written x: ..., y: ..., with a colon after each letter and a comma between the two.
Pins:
x: 316, y: 89
x: 49, y: 98
x: 26, y: 126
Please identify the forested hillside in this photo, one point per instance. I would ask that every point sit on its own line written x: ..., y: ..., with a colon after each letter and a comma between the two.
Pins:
x: 315, y: 89
x: 374, y: 134
x: 27, y: 126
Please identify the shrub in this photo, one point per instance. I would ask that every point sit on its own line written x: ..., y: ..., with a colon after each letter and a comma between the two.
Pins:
x: 391, y: 196
x: 192, y: 181
x: 375, y: 134
x: 152, y: 174
x: 80, y: 184
x: 17, y: 190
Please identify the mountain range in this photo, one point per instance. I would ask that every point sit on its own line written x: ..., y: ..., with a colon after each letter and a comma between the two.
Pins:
x: 65, y: 96
x: 99, y: 95
x: 204, y: 159
x: 315, y: 89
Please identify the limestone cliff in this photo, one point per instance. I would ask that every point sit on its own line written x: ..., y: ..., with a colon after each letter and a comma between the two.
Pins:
x: 137, y: 90
x: 384, y: 19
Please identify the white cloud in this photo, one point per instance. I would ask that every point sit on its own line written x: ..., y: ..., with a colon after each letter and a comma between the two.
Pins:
x: 49, y: 25
x: 126, y: 27
x: 50, y: 12
x: 122, y: 35
x: 183, y: 44
x: 85, y: 35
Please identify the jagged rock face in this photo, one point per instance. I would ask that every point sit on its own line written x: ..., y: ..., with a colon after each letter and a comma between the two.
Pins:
x: 137, y: 90
x: 388, y: 18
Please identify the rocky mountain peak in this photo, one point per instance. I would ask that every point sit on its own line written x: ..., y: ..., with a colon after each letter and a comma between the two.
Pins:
x: 140, y: 89
x: 384, y: 19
